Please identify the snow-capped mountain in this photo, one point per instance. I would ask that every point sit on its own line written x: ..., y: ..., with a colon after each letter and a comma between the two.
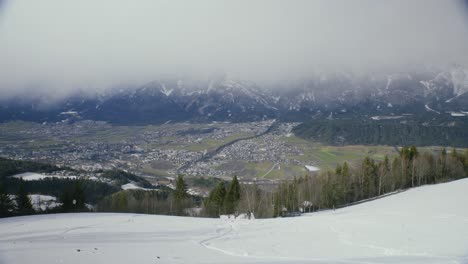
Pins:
x: 227, y: 99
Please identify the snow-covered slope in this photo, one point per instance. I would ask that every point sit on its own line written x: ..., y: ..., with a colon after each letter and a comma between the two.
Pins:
x: 32, y: 176
x: 424, y: 225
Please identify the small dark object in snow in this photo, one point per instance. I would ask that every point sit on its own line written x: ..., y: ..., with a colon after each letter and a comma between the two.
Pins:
x: 95, y: 248
x: 158, y: 257
x: 78, y: 250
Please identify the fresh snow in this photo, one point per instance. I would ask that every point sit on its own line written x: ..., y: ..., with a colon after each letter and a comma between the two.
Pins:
x: 133, y: 186
x: 430, y: 109
x: 32, y: 176
x: 69, y: 113
x: 43, y: 202
x: 40, y: 202
x: 165, y: 91
x: 386, y: 117
x: 424, y: 225
x: 457, y: 114
x: 312, y: 168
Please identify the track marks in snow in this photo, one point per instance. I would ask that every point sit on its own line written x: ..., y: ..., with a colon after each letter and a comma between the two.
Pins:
x: 221, y: 233
x: 345, y: 239
x: 391, y: 252
x: 226, y: 233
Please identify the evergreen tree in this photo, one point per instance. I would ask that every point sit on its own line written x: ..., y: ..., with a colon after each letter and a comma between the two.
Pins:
x: 369, y: 178
x: 441, y: 166
x: 79, y: 196
x: 465, y: 162
x: 23, y: 202
x: 180, y: 195
x: 454, y: 153
x: 67, y: 199
x: 232, y: 196
x: 384, y: 170
x: 180, y: 192
x: 6, y: 204
x: 332, y: 193
x: 338, y: 169
x: 214, y: 204
x: 73, y: 198
x: 345, y: 186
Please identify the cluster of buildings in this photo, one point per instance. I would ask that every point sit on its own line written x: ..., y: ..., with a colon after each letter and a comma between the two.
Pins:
x: 91, y: 145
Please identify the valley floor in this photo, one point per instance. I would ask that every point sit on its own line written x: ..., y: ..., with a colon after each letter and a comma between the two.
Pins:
x: 423, y: 225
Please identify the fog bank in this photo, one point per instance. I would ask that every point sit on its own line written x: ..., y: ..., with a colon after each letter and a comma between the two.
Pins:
x: 62, y: 45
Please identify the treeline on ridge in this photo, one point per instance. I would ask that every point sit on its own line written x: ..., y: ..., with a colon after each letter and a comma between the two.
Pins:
x: 383, y: 132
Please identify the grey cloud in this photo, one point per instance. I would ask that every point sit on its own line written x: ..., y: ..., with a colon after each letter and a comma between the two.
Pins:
x: 61, y: 45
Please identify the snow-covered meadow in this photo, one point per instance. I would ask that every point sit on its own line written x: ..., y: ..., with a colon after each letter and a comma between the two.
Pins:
x: 423, y: 225
x: 32, y: 176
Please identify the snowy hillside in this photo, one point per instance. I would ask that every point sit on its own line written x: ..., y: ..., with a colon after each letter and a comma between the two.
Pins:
x: 424, y: 225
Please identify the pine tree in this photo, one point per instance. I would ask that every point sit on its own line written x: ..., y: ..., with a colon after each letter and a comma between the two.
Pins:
x: 67, y: 199
x: 23, y: 202
x: 369, y: 178
x: 215, y: 202
x: 345, y: 188
x: 338, y: 169
x: 465, y: 162
x: 232, y: 196
x: 454, y: 153
x: 6, y: 204
x: 73, y: 198
x: 180, y: 188
x: 442, y: 166
x: 180, y: 195
x: 79, y: 196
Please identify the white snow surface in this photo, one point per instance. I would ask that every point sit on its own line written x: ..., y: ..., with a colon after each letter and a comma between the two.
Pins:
x: 456, y: 114
x: 43, y: 202
x: 312, y: 168
x: 32, y: 176
x: 430, y: 109
x: 423, y: 225
x: 133, y: 186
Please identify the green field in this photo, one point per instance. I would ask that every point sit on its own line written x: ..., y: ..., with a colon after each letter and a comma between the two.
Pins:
x: 263, y: 170
x: 325, y: 156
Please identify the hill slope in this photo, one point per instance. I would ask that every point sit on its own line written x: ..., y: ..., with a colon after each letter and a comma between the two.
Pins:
x: 423, y: 225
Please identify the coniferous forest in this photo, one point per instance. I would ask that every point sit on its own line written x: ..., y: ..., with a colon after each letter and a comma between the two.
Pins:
x: 357, y: 131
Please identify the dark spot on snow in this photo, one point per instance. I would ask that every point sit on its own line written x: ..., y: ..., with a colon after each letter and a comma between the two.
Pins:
x: 78, y: 250
x: 95, y: 248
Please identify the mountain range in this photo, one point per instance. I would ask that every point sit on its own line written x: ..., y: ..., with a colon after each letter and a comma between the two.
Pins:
x: 431, y: 93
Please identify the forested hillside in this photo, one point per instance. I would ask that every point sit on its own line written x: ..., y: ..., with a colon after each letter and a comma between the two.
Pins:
x: 384, y: 132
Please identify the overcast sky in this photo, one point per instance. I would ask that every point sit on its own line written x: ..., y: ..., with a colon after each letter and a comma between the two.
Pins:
x: 66, y: 44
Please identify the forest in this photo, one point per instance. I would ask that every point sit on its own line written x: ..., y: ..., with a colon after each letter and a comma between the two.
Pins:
x: 385, y: 132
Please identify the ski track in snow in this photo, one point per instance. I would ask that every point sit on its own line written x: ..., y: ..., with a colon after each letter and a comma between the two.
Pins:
x: 206, y: 243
